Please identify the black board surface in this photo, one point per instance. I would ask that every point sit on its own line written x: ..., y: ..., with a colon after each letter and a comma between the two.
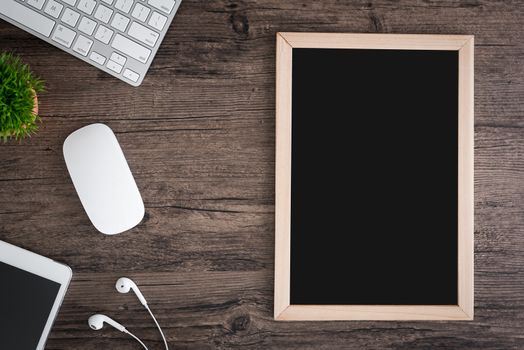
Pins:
x: 376, y: 131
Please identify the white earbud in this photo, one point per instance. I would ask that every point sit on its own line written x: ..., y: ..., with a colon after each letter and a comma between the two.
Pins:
x: 124, y: 284
x: 96, y: 322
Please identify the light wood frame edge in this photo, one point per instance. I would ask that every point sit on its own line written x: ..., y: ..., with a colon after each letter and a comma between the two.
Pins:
x: 282, y: 176
x: 465, y: 178
x: 372, y: 313
x: 375, y: 41
x: 282, y: 308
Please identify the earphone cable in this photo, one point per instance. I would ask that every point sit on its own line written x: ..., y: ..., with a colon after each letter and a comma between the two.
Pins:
x: 136, y: 338
x: 158, y: 326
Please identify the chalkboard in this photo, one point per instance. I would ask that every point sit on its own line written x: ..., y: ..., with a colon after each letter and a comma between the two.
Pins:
x: 376, y: 171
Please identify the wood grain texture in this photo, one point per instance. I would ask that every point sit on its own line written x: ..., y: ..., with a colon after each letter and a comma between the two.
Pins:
x: 199, y: 137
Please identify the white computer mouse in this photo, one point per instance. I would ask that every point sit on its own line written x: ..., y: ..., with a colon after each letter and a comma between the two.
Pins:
x: 102, y: 179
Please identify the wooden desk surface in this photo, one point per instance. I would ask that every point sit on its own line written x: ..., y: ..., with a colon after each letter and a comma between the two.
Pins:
x: 199, y: 137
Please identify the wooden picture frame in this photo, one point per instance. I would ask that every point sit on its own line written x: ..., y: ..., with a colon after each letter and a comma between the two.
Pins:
x: 283, y: 310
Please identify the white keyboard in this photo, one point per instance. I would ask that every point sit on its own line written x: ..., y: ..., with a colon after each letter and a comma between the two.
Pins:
x: 120, y: 37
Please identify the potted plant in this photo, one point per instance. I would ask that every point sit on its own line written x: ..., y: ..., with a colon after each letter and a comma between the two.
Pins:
x: 18, y: 98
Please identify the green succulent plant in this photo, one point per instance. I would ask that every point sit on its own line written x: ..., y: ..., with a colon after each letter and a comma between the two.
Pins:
x: 18, y: 88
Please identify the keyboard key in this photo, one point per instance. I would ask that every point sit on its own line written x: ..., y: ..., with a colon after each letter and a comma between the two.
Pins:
x: 109, y: 2
x: 157, y: 21
x: 129, y: 74
x: 87, y: 6
x: 98, y: 58
x: 115, y: 67
x: 35, y: 3
x: 103, y: 13
x: 118, y: 58
x: 124, y: 5
x: 140, y: 12
x: 63, y: 35
x: 163, y: 5
x: 53, y: 8
x: 143, y: 34
x: 83, y: 45
x: 30, y: 18
x: 70, y: 17
x: 120, y: 22
x: 103, y: 34
x: 130, y: 48
x: 69, y: 2
x: 87, y: 26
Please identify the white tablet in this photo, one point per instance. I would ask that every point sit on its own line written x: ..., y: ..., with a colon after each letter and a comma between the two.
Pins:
x: 31, y: 290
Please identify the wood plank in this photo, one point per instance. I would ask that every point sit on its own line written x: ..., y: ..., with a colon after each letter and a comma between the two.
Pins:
x: 199, y: 137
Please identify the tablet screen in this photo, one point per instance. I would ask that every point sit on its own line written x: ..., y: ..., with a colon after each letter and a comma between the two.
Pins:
x: 26, y: 301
